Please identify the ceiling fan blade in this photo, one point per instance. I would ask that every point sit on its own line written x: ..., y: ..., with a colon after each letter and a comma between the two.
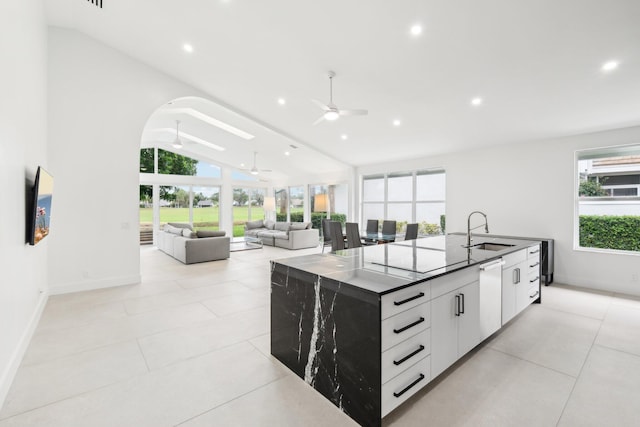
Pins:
x: 353, y: 112
x: 319, y: 120
x: 266, y: 170
x: 322, y: 106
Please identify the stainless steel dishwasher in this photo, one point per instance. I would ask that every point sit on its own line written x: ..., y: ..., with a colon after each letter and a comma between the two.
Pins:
x: 490, y: 297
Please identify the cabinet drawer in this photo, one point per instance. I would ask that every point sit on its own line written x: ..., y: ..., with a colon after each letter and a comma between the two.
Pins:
x: 403, y: 355
x: 404, y: 325
x: 533, y: 279
x: 533, y: 251
x: 534, y: 292
x: 451, y: 282
x: 514, y: 258
x: 404, y: 299
x: 405, y: 385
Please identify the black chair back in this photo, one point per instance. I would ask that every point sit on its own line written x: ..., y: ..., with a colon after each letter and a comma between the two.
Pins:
x: 337, y: 241
x: 353, y: 235
x: 326, y: 233
x: 388, y: 227
x: 411, y: 232
x: 372, y: 226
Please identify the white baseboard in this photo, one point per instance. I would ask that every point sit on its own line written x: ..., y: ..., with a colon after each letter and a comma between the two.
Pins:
x: 89, y: 285
x: 596, y: 285
x: 16, y: 358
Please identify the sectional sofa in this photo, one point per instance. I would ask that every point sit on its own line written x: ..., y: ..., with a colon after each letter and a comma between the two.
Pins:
x: 188, y: 246
x: 289, y: 235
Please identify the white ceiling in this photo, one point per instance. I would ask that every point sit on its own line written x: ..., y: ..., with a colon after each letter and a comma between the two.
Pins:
x: 536, y: 65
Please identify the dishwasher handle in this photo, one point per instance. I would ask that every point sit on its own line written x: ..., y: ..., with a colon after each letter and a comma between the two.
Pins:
x: 493, y: 265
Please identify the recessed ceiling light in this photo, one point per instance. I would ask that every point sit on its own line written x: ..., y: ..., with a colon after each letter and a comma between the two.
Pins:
x: 344, y: 137
x: 241, y: 165
x: 609, y: 66
x: 396, y: 122
x: 416, y: 30
x: 282, y: 101
x: 286, y: 153
x: 187, y: 47
x: 476, y: 101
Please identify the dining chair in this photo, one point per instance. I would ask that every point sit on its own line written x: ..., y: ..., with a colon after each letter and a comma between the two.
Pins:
x: 412, y: 232
x: 337, y: 240
x: 372, y: 226
x: 326, y: 233
x: 353, y: 235
x: 389, y: 228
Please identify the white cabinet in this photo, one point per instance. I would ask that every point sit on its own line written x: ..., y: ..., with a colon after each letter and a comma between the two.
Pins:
x: 455, y: 319
x: 405, y: 342
x: 520, y: 281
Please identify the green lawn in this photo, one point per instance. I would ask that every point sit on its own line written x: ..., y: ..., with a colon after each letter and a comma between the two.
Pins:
x: 204, y: 218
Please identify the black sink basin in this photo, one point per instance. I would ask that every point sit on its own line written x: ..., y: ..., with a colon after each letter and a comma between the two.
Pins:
x: 491, y: 246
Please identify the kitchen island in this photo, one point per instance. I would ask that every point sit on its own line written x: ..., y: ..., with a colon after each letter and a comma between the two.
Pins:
x: 368, y: 327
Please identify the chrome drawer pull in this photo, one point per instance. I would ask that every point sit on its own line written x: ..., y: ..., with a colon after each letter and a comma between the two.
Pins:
x: 534, y: 252
x: 409, y: 356
x: 407, y: 388
x: 410, y: 325
x: 534, y: 295
x: 533, y: 280
x: 534, y: 265
x: 404, y: 301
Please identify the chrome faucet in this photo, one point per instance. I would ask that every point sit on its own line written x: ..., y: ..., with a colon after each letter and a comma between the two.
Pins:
x: 486, y: 226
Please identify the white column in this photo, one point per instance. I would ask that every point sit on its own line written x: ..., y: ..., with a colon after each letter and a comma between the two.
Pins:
x: 226, y: 202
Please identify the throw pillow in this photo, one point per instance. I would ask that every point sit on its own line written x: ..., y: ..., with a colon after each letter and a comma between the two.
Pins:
x: 282, y: 226
x: 173, y: 230
x: 269, y: 224
x: 188, y: 233
x: 254, y: 224
x: 210, y: 233
x: 298, y: 226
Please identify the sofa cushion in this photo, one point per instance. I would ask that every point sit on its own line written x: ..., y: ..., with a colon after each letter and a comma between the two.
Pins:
x: 254, y: 224
x: 298, y: 226
x: 189, y: 233
x: 180, y: 225
x: 173, y: 230
x: 269, y: 225
x: 211, y: 233
x: 282, y: 226
x: 280, y: 235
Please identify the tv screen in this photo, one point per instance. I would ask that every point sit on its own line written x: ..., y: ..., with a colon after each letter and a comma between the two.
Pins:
x: 41, y: 214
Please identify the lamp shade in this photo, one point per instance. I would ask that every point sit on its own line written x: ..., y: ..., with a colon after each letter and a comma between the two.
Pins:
x: 320, y: 203
x: 269, y: 204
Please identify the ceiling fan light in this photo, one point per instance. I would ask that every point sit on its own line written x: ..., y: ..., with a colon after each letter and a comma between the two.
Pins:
x: 331, y: 115
x: 254, y: 172
x: 177, y: 143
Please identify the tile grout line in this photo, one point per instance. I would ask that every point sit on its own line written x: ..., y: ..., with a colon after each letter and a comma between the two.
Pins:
x: 143, y: 356
x: 564, y: 407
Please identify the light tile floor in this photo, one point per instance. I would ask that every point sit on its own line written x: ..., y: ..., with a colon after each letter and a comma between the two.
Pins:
x: 190, y: 347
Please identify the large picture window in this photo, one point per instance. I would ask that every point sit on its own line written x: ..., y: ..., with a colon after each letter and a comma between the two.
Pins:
x: 608, y: 199
x: 406, y: 197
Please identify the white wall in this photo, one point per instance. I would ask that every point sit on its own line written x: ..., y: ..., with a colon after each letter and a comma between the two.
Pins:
x: 527, y: 189
x: 23, y: 128
x: 99, y: 102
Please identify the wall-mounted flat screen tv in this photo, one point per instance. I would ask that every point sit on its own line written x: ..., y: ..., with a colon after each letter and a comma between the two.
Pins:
x: 41, y: 213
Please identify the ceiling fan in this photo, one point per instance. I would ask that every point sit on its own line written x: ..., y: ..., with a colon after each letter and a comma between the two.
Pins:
x: 254, y: 169
x: 331, y: 110
x: 177, y: 143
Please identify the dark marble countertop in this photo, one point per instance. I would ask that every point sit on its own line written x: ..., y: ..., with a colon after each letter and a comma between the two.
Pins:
x: 385, y: 268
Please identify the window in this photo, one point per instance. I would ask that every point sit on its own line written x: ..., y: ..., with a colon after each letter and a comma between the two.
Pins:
x: 406, y: 197
x: 607, y: 202
x: 296, y: 204
x: 247, y: 206
x: 206, y: 203
x: 282, y: 203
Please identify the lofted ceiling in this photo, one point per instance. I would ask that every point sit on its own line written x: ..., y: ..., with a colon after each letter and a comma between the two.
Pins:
x: 536, y: 65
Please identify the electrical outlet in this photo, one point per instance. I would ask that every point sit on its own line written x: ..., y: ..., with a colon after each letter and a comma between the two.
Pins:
x: 85, y: 274
x: 634, y: 277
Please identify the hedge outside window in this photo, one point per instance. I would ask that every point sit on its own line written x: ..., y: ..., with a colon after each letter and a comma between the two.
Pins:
x: 608, y: 198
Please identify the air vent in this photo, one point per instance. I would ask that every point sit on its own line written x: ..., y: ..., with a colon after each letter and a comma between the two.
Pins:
x: 293, y: 146
x: 97, y: 3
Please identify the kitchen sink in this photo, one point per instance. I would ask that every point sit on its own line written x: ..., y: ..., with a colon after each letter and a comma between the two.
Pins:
x: 491, y: 246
